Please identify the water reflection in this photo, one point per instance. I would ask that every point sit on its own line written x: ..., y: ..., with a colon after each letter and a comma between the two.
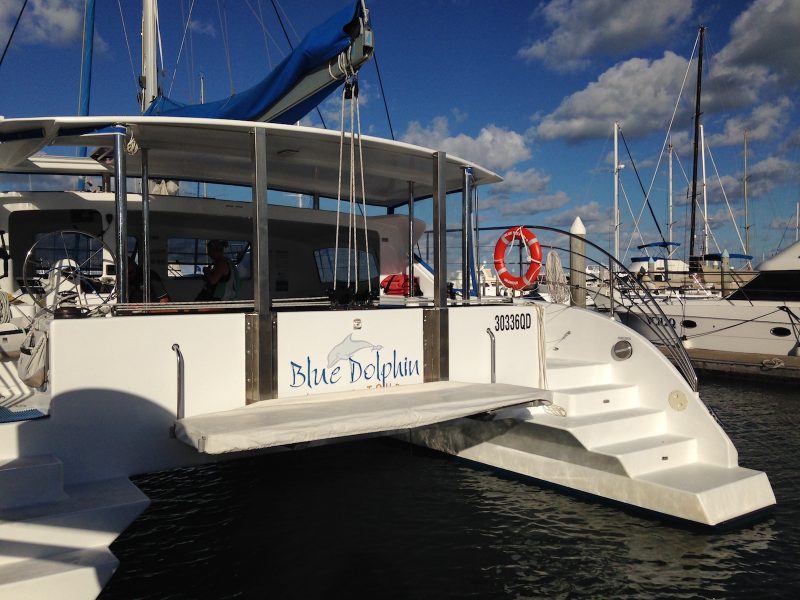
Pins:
x: 392, y: 521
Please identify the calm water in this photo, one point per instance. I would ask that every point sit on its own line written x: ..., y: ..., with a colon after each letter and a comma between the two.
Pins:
x: 385, y: 520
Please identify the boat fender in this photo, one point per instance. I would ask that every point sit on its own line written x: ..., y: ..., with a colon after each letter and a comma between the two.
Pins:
x: 527, y: 237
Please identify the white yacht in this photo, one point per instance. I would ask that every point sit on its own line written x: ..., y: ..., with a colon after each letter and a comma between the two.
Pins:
x: 100, y: 380
x: 754, y: 330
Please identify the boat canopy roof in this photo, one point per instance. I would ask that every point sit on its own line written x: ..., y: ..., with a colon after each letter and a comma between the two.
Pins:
x: 299, y: 159
x: 321, y: 46
x: 718, y: 256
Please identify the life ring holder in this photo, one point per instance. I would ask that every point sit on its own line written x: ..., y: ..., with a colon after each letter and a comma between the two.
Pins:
x: 534, y: 250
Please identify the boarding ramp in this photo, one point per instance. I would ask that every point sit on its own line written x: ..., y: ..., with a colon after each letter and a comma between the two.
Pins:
x: 303, y: 419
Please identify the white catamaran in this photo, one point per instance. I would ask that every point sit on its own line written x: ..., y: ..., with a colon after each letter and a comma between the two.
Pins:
x: 96, y: 388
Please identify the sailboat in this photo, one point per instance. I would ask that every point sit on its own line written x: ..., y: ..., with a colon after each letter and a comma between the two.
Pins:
x: 97, y: 388
x: 751, y: 328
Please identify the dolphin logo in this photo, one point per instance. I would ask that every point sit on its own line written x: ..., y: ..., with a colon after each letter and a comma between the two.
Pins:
x: 346, y: 348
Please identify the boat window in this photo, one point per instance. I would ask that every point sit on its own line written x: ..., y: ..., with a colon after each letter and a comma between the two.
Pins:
x: 85, y: 250
x: 688, y: 324
x: 326, y: 259
x: 780, y: 331
x: 186, y: 257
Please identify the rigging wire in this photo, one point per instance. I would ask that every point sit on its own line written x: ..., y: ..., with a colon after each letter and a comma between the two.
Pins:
x: 288, y: 41
x: 724, y: 195
x: 180, y: 49
x: 259, y: 16
x: 128, y: 44
x: 641, y: 185
x: 223, y: 25
x: 11, y: 37
x: 383, y: 94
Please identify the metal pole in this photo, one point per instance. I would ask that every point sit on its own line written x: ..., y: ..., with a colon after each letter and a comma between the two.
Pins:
x: 669, y: 198
x: 149, y: 66
x: 121, y: 210
x: 465, y: 225
x: 262, y: 374
x: 477, y: 248
x: 744, y: 190
x: 616, y: 190
x: 439, y: 230
x: 693, y: 262
x: 705, y: 196
x: 145, y: 258
x: 86, y: 72
x: 411, y: 290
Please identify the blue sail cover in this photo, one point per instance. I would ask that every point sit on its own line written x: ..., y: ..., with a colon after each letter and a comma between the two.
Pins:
x: 323, y: 43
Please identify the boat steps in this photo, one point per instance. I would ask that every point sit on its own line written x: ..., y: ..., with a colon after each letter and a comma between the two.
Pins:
x: 649, y: 454
x: 565, y: 373
x: 73, y: 575
x: 607, y: 427
x: 31, y: 480
x: 91, y: 515
x: 596, y: 399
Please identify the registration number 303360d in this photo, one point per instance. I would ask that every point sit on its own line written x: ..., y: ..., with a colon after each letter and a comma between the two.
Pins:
x: 512, y: 322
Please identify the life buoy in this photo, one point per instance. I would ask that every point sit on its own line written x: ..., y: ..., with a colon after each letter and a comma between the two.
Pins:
x: 534, y: 250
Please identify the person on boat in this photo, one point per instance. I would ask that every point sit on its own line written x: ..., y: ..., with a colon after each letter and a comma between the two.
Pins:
x: 221, y: 280
x: 158, y: 292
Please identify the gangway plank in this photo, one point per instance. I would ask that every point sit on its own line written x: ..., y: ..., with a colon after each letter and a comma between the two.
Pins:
x: 295, y: 420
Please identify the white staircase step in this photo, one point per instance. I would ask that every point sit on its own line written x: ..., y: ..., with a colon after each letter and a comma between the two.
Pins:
x: 608, y: 427
x: 722, y: 493
x: 92, y: 515
x: 647, y: 454
x: 31, y: 480
x: 567, y: 373
x: 591, y: 399
x: 78, y: 575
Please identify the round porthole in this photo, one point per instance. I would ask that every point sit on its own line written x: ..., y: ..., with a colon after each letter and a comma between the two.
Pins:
x: 688, y: 324
x: 622, y: 350
x: 780, y: 331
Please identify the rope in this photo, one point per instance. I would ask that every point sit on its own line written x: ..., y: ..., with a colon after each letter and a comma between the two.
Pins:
x: 383, y: 94
x: 339, y: 197
x: 5, y: 308
x: 363, y: 192
x: 769, y: 364
x: 556, y: 280
x: 690, y: 337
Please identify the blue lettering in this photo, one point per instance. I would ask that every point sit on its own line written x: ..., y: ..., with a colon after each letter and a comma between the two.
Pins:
x: 297, y: 371
x: 335, y: 375
x: 354, y: 364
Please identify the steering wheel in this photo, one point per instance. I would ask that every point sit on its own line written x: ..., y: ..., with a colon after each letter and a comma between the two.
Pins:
x: 69, y: 268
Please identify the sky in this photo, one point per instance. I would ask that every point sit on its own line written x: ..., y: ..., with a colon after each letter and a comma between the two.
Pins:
x: 528, y: 89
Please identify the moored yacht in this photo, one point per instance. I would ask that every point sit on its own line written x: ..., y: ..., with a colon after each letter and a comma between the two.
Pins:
x: 114, y: 364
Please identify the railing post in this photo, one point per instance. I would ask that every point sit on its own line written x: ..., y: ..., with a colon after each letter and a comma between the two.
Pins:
x: 181, y: 408
x: 577, y: 264
x: 121, y: 210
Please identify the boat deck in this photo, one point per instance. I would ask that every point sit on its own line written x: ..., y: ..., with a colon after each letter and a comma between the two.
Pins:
x: 296, y: 420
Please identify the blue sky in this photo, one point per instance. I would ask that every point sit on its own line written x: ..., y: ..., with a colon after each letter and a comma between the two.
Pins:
x: 529, y: 89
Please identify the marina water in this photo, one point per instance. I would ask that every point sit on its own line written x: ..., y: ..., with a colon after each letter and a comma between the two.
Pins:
x: 385, y: 520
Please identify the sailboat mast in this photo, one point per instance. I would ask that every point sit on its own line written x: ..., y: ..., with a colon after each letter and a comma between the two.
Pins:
x: 616, y: 190
x: 149, y: 77
x: 669, y: 197
x: 744, y: 188
x: 694, y: 263
x: 705, y: 197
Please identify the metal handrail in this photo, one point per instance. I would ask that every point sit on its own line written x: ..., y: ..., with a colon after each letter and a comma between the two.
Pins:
x: 181, y: 398
x: 639, y: 298
x: 493, y: 377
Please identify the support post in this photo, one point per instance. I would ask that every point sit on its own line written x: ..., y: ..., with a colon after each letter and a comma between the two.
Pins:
x: 262, y: 374
x: 411, y: 291
x: 121, y: 210
x: 145, y: 257
x: 466, y: 225
x: 477, y: 246
x: 435, y: 321
x: 577, y: 263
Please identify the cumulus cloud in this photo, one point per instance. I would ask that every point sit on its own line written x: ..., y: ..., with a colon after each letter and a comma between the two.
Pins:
x: 583, y: 28
x: 763, y: 123
x: 638, y: 92
x: 596, y: 218
x: 765, y: 36
x: 495, y: 147
x: 531, y: 206
x: 55, y: 22
x: 528, y: 181
x: 203, y: 28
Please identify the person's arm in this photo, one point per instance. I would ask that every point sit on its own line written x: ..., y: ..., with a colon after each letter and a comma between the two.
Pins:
x: 217, y: 271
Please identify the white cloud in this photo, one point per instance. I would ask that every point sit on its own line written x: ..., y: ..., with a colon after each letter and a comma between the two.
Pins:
x: 583, y: 28
x: 494, y: 147
x: 766, y: 175
x: 529, y: 181
x: 765, y: 36
x: 533, y: 206
x: 54, y: 22
x: 597, y: 218
x: 763, y: 123
x: 198, y: 26
x: 638, y: 92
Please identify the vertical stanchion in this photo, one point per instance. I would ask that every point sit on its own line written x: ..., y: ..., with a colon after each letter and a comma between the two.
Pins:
x: 577, y: 263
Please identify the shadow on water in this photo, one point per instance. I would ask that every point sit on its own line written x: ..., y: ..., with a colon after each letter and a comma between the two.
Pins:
x: 383, y: 519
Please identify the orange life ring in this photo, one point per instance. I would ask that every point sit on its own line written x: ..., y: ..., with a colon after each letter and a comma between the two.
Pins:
x: 534, y: 250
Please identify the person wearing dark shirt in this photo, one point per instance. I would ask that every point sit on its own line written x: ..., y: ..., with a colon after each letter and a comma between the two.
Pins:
x: 158, y: 292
